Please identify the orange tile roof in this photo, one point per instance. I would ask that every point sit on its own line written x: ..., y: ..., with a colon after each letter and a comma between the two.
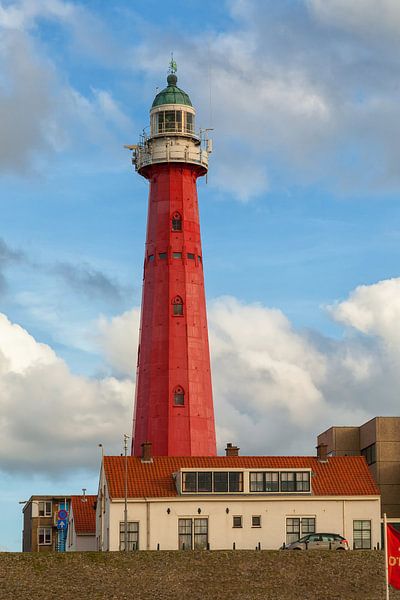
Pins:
x: 84, y: 514
x: 339, y: 476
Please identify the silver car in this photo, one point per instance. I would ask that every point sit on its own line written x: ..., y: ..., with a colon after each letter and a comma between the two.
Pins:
x: 319, y: 541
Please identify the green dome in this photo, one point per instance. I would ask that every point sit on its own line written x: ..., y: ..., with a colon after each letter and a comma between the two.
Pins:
x: 171, y: 94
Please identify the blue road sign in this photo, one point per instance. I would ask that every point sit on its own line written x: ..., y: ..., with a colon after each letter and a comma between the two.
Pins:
x: 61, y: 524
x: 62, y: 514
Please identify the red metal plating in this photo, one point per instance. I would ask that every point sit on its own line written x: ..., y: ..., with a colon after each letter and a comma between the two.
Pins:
x: 173, y: 357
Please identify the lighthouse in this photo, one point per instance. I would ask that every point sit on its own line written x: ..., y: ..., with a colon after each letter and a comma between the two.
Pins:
x: 173, y: 399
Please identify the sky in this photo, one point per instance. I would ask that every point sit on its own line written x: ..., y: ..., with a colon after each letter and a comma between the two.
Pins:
x: 299, y: 217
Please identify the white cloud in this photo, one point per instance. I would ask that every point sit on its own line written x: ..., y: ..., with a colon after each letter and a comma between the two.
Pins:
x: 50, y: 419
x: 42, y: 114
x: 311, y: 90
x: 362, y: 16
x: 373, y: 310
x: 118, y: 340
x: 275, y: 388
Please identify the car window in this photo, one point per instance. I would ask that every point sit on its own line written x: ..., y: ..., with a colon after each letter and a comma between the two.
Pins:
x: 314, y: 538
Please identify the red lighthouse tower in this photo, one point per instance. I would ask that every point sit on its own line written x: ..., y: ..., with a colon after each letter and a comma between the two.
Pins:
x: 173, y: 404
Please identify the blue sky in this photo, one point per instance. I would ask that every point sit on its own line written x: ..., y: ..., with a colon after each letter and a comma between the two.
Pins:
x: 299, y: 217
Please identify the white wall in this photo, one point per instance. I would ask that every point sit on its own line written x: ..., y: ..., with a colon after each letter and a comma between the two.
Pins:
x: 102, y: 516
x: 156, y: 526
x: 78, y: 543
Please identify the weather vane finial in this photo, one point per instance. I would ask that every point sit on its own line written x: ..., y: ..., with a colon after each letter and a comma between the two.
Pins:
x: 172, y: 65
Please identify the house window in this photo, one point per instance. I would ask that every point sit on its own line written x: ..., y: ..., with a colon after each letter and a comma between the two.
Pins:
x: 44, y: 536
x: 237, y: 521
x: 264, y: 482
x: 221, y: 481
x: 307, y: 525
x: 45, y: 508
x: 296, y: 527
x: 193, y: 534
x: 302, y: 482
x: 295, y: 481
x: 179, y: 396
x: 235, y: 481
x: 362, y: 535
x: 189, y: 482
x: 370, y: 454
x: 256, y: 521
x: 271, y: 483
x: 209, y: 481
x: 204, y: 481
x: 177, y: 304
x: 132, y: 535
x: 176, y: 222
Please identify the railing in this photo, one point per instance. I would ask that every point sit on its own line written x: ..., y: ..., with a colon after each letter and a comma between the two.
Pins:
x: 174, y: 127
x: 152, y: 150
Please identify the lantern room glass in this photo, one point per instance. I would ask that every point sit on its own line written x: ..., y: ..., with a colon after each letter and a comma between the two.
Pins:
x: 172, y: 121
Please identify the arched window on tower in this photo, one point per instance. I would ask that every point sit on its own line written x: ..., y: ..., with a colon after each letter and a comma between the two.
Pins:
x: 179, y: 396
x: 176, y: 222
x: 177, y: 304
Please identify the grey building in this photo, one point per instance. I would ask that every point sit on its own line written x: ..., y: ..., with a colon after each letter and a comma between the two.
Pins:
x: 378, y: 441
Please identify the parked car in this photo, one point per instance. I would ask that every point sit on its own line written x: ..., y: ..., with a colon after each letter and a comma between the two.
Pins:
x: 319, y: 541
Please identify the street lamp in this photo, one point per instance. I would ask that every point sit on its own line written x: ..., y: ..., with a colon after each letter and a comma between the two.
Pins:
x: 126, y: 438
x: 38, y: 525
x: 102, y: 500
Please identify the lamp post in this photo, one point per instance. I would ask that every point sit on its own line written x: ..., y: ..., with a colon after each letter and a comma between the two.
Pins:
x: 38, y: 525
x: 102, y: 499
x: 126, y: 437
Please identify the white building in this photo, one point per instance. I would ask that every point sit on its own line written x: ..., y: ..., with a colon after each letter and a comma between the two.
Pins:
x: 233, y: 501
x: 82, y: 524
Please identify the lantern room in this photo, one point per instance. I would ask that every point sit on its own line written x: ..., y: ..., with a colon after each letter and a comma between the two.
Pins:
x: 172, y: 111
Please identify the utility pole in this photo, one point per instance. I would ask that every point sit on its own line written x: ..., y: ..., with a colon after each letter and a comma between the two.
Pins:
x: 126, y: 437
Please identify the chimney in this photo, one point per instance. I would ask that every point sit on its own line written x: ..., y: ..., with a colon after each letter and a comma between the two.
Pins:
x: 146, y: 452
x: 231, y: 450
x: 322, y: 453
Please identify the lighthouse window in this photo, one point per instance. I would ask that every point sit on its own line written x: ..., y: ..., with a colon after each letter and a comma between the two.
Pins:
x: 177, y: 306
x: 179, y: 396
x: 176, y: 222
x: 162, y: 255
x: 189, y: 122
x: 190, y: 255
x: 151, y: 257
x: 179, y: 399
x: 177, y: 255
x: 169, y: 120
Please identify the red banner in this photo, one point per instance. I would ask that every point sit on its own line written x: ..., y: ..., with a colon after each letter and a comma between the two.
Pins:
x: 393, y: 555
